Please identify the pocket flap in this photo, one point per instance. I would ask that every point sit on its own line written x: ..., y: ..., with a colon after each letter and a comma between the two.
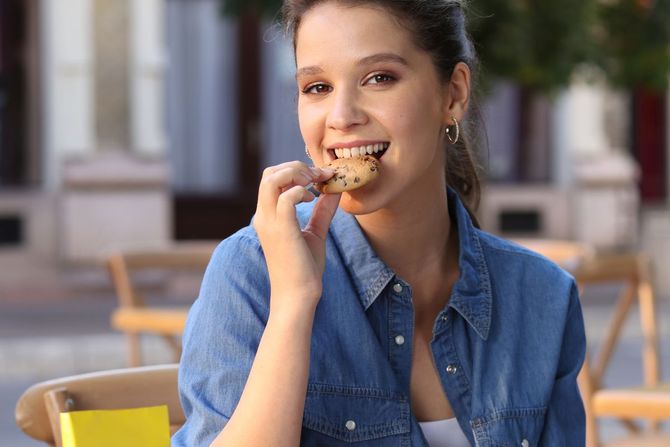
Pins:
x: 511, y: 427
x: 355, y: 414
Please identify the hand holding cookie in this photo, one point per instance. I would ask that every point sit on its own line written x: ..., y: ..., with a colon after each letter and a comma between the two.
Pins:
x: 295, y: 257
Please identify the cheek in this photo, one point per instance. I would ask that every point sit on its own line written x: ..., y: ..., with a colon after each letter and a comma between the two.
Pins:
x: 311, y: 129
x: 411, y: 115
x: 423, y: 112
x: 307, y: 120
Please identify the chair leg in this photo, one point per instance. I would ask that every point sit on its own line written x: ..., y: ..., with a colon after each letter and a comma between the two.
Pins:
x: 177, y: 355
x: 586, y: 387
x: 631, y: 426
x: 650, y: 353
x: 134, y: 350
x: 175, y: 345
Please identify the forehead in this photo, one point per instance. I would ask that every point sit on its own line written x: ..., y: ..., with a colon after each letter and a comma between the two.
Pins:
x: 330, y: 32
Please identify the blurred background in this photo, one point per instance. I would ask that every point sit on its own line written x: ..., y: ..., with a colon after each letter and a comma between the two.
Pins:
x: 131, y: 124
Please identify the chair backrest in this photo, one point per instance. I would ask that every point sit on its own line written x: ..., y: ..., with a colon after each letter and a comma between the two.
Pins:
x: 634, y: 271
x: 567, y: 254
x: 631, y: 269
x: 38, y: 407
x: 181, y: 257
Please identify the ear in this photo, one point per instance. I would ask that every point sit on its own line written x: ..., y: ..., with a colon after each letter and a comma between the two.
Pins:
x: 457, y: 93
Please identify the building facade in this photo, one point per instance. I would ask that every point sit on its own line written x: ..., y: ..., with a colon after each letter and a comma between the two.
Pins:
x: 126, y: 123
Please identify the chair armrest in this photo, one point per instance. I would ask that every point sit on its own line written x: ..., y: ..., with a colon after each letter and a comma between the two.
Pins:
x: 114, y: 389
x: 633, y: 403
x: 160, y: 320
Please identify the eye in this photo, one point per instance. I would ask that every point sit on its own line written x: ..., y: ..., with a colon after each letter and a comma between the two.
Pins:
x: 316, y: 89
x: 380, y: 78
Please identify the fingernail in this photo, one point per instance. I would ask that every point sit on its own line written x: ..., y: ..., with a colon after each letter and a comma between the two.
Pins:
x: 315, y: 171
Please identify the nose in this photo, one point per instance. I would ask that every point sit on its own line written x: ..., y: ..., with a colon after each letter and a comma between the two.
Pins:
x: 345, y: 111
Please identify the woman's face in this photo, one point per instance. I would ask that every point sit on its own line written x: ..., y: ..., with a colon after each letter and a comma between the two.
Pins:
x: 363, y: 82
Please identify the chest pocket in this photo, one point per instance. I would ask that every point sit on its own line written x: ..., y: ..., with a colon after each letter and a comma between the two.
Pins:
x: 510, y: 428
x: 364, y: 416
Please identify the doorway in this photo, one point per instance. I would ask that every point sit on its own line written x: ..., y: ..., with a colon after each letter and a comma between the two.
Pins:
x: 19, y: 81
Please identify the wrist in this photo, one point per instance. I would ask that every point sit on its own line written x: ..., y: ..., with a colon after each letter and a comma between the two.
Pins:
x: 295, y: 316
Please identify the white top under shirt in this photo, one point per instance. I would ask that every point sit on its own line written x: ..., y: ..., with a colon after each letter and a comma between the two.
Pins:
x: 444, y: 433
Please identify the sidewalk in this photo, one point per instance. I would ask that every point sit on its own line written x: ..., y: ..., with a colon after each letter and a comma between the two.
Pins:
x: 49, y: 333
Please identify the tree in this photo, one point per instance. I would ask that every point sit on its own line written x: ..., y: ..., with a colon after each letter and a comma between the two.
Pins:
x: 242, y: 7
x: 536, y: 44
x: 634, y: 38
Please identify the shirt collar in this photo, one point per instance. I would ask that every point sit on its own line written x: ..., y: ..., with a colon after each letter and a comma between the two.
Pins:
x: 369, y: 273
x: 471, y: 294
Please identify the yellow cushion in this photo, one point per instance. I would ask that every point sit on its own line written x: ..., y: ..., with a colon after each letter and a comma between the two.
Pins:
x: 136, y: 427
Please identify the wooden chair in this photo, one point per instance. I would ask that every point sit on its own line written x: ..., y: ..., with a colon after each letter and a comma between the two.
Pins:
x: 38, y: 408
x: 133, y: 316
x: 649, y: 401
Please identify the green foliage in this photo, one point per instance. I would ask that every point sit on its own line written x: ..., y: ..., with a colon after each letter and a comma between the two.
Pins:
x: 635, y: 40
x: 241, y: 7
x: 537, y: 43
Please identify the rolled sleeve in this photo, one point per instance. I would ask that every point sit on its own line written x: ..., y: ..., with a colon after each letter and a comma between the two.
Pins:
x: 222, y: 334
x: 565, y: 420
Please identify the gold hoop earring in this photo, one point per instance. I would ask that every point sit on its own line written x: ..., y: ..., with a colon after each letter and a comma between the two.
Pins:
x: 307, y: 152
x: 453, y: 140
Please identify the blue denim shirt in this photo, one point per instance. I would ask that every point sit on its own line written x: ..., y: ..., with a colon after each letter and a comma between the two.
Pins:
x: 508, y: 346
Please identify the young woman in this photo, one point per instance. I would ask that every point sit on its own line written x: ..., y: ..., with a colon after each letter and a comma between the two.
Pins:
x: 382, y: 316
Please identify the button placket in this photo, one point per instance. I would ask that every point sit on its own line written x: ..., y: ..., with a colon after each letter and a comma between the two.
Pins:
x: 400, y: 326
x: 452, y: 375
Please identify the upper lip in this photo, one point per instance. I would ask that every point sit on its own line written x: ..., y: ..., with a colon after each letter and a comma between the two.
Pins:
x: 356, y: 143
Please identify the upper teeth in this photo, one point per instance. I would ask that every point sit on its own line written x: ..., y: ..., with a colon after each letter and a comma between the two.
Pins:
x: 360, y: 150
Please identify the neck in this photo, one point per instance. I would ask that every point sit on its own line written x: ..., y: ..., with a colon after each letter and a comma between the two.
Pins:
x: 412, y: 238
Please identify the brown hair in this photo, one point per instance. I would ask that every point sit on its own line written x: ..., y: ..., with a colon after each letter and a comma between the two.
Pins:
x: 438, y: 27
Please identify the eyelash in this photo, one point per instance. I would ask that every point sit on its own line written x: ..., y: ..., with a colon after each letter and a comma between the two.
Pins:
x: 307, y: 90
x: 389, y: 78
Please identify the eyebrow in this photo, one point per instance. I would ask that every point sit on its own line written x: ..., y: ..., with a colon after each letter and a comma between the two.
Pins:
x: 368, y: 60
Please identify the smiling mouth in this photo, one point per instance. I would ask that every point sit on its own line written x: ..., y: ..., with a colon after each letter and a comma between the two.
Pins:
x: 376, y: 150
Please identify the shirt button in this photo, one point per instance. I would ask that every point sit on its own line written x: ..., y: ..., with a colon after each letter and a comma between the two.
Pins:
x: 451, y: 369
x: 445, y: 317
x: 399, y: 340
x: 397, y: 288
x: 351, y: 425
x: 525, y: 443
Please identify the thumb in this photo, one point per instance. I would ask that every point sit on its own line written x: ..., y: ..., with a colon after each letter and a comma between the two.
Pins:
x: 322, y: 215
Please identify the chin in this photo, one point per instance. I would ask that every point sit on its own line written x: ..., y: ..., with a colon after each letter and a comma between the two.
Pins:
x: 359, y: 202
